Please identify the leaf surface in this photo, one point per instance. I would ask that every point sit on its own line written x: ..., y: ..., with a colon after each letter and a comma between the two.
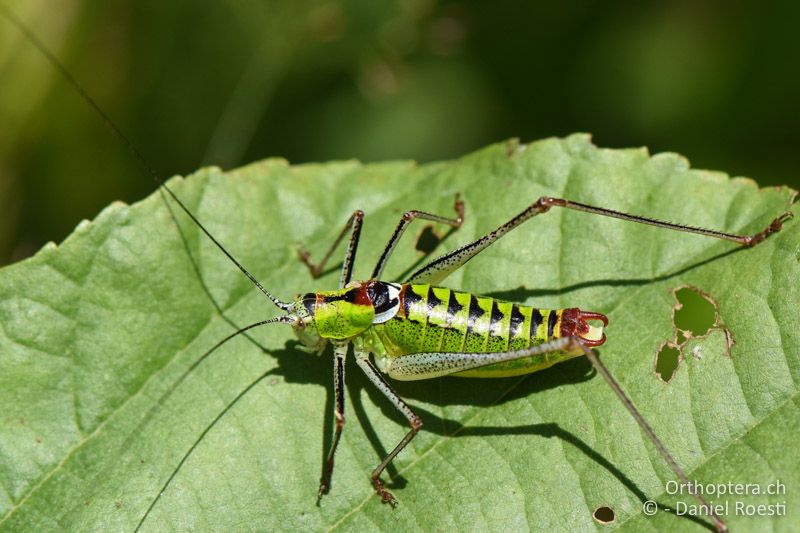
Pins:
x: 96, y: 330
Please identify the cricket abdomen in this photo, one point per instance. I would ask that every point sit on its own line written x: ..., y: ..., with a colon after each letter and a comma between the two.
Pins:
x: 436, y: 319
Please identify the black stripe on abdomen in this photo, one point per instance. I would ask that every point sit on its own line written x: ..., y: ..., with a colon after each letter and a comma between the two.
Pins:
x: 551, y: 324
x: 536, y: 321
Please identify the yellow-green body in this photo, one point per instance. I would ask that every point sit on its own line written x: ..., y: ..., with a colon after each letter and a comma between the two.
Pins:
x: 435, y: 319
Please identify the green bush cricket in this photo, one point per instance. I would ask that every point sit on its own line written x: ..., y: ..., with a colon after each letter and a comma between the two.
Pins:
x: 407, y: 326
x: 417, y: 330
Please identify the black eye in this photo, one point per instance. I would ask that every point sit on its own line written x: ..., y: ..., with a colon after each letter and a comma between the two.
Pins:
x: 309, y: 301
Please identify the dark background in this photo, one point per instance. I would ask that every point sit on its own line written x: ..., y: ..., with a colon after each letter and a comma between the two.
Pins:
x: 229, y: 82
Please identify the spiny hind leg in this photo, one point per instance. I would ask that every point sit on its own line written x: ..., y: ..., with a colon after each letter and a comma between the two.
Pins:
x: 443, y: 266
x: 745, y: 240
x: 405, y: 220
x: 414, y: 421
x: 416, y: 366
x: 598, y: 365
x: 427, y: 365
x: 352, y: 226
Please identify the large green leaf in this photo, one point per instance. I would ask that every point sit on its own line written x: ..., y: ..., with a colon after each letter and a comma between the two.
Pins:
x: 95, y: 330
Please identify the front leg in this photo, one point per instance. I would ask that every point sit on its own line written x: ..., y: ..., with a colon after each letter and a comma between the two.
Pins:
x: 339, y: 352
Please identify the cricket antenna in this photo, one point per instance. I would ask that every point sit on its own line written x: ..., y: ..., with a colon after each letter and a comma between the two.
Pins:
x: 163, y: 398
x: 13, y: 19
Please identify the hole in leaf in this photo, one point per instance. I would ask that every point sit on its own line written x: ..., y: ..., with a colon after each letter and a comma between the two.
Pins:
x: 667, y: 360
x: 604, y: 515
x: 696, y: 324
x: 695, y: 314
x: 427, y: 240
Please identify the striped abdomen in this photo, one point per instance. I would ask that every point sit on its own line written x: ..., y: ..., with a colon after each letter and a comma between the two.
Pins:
x: 436, y: 319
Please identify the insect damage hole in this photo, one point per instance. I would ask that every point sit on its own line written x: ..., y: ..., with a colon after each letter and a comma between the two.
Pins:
x: 694, y: 314
x: 667, y: 359
x: 604, y: 515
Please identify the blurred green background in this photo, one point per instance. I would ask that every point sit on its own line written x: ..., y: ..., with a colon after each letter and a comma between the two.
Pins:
x: 196, y: 83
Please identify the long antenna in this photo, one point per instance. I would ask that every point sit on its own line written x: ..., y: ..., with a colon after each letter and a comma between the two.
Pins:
x: 13, y: 19
x: 163, y: 398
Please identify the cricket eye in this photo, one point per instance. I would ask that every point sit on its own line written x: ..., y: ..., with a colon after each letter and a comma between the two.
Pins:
x: 309, y: 303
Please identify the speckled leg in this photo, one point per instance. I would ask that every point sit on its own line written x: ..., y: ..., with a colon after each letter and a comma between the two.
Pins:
x: 353, y: 226
x: 340, y: 352
x: 405, y: 220
x: 443, y: 266
x: 414, y: 421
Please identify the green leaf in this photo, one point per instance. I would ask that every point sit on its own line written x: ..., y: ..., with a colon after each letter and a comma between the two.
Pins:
x: 97, y: 329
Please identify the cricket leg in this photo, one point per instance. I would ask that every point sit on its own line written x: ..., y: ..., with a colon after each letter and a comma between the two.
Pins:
x: 414, y: 421
x: 405, y: 220
x: 719, y: 524
x: 427, y: 365
x: 443, y: 266
x: 339, y: 352
x: 352, y: 226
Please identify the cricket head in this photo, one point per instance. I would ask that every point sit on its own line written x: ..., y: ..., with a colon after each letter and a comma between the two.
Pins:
x: 575, y: 322
x: 302, y: 315
x: 344, y: 313
x: 337, y: 315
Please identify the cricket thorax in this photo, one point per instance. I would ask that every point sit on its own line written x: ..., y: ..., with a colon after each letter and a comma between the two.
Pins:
x: 346, y: 313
